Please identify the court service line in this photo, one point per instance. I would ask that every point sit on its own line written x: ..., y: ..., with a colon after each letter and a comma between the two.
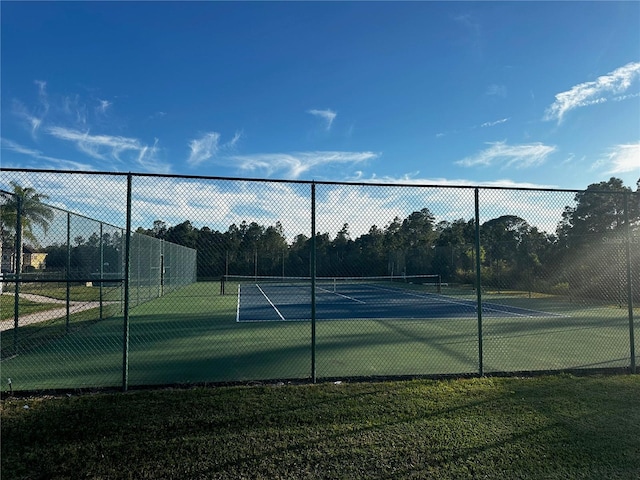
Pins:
x: 270, y: 302
x: 470, y: 303
x: 341, y: 295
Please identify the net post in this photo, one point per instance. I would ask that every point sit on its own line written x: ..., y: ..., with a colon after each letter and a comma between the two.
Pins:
x: 439, y: 283
x: 222, y: 284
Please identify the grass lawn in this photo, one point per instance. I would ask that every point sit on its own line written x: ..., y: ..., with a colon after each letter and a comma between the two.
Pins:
x: 77, y: 293
x: 25, y: 307
x: 547, y: 427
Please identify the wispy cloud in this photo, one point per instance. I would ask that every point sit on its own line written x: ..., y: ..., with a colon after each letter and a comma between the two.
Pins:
x: 293, y: 165
x: 103, y: 106
x: 620, y: 159
x: 157, y: 115
x: 473, y: 33
x: 497, y: 122
x: 95, y: 145
x: 203, y: 148
x: 105, y: 147
x: 35, y: 154
x: 519, y: 156
x: 208, y: 146
x: 327, y: 115
x: 234, y: 141
x: 417, y: 180
x: 75, y: 111
x: 621, y: 98
x: 35, y: 116
x: 495, y: 90
x: 591, y: 93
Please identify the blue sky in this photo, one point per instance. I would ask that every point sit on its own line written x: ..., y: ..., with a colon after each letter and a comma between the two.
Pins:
x: 462, y: 93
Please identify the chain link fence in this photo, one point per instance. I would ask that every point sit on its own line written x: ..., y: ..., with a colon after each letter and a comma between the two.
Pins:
x: 119, y: 280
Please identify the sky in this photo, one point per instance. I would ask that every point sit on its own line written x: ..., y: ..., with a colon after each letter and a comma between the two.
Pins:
x: 524, y: 94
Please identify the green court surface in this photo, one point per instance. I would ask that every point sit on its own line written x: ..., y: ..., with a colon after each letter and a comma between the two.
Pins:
x: 192, y: 336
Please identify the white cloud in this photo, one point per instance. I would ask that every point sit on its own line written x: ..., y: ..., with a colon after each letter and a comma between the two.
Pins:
x: 327, y: 115
x: 35, y: 116
x: 496, y: 91
x: 472, y: 33
x: 32, y: 121
x: 295, y: 164
x: 157, y: 115
x: 520, y: 156
x: 208, y: 146
x: 103, y: 106
x: 203, y: 148
x: 414, y: 179
x: 234, y: 141
x: 623, y: 159
x: 621, y: 98
x: 75, y: 110
x: 590, y: 93
x: 104, y: 147
x: 94, y: 145
x: 497, y: 122
x: 56, y: 163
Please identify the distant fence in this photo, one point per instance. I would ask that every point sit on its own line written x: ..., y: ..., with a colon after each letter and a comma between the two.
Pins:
x: 527, y: 279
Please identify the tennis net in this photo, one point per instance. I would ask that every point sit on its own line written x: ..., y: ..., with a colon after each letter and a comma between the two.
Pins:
x: 229, y: 283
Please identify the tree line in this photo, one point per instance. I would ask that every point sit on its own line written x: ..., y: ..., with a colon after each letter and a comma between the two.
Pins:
x: 586, y: 255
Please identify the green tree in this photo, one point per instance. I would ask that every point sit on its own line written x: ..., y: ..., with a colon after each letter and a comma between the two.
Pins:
x: 599, y: 211
x: 34, y: 213
x: 591, y: 238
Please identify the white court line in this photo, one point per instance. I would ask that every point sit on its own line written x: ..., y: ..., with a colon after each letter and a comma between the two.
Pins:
x: 340, y: 295
x: 238, y: 306
x: 270, y: 302
x: 470, y: 303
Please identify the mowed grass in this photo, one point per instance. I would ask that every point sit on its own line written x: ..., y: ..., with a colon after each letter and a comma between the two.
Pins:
x: 25, y: 307
x: 548, y: 427
x: 191, y: 336
x: 77, y: 293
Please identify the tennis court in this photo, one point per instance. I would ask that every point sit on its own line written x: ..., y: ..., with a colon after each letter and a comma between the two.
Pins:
x: 195, y: 334
x: 377, y: 298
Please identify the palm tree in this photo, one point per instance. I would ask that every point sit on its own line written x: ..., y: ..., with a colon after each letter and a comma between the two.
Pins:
x: 33, y: 213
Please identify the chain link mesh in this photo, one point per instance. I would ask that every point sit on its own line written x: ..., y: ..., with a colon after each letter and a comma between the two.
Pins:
x: 240, y: 280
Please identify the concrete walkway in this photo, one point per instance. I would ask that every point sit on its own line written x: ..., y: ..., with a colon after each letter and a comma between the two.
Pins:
x: 74, y: 307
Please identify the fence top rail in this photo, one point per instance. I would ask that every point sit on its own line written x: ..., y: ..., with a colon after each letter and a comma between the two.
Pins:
x: 308, y: 182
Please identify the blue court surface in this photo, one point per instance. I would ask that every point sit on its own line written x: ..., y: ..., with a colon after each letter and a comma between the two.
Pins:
x: 265, y: 303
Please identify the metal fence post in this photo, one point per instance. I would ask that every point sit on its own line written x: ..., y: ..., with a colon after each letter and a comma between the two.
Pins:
x: 127, y: 258
x: 68, y: 279
x: 101, y: 267
x: 18, y: 270
x: 478, y: 284
x: 632, y: 347
x: 313, y: 282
